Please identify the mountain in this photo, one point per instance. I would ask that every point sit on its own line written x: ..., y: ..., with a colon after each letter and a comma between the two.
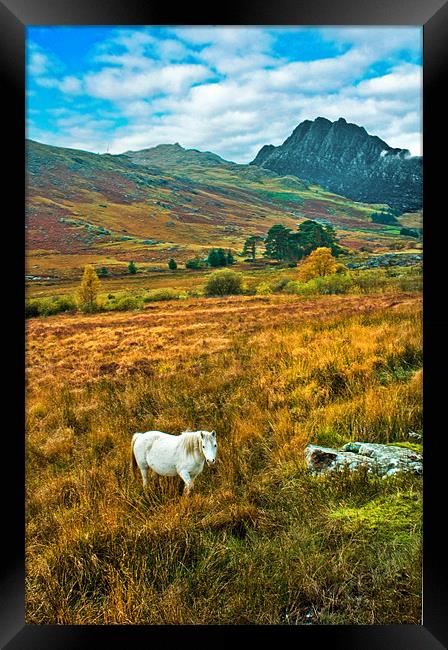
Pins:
x: 167, y: 201
x: 345, y: 159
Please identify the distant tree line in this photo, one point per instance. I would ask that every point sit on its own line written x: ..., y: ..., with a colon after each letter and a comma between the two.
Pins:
x: 216, y: 258
x: 286, y: 245
x: 386, y: 217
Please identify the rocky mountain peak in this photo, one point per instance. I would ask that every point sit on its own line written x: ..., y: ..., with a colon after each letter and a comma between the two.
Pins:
x: 344, y: 158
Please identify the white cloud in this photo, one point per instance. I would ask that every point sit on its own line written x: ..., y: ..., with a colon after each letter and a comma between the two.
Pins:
x: 402, y: 80
x: 229, y: 91
x: 115, y: 84
x: 379, y: 40
x: 71, y: 85
x: 38, y: 63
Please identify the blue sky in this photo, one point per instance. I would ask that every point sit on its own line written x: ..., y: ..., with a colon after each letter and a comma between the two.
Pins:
x: 229, y: 90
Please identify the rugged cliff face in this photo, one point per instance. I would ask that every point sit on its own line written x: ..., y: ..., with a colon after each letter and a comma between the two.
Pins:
x: 345, y: 159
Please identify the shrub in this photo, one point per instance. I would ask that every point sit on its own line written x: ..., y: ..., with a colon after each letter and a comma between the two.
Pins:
x: 172, y: 265
x: 126, y: 303
x: 280, y: 285
x: 336, y: 283
x: 411, y: 282
x: 369, y: 280
x: 292, y: 286
x: 224, y: 283
x: 330, y: 284
x: 409, y: 232
x: 49, y: 306
x: 132, y: 268
x: 161, y: 294
x: 263, y: 289
x: 31, y: 308
x: 195, y: 263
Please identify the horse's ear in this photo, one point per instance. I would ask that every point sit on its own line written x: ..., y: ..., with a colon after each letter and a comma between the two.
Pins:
x: 213, y: 433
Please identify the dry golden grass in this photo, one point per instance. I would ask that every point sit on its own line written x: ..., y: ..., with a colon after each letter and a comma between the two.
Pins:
x: 257, y: 542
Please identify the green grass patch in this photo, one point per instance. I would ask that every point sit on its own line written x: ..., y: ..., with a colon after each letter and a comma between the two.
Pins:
x: 392, y: 517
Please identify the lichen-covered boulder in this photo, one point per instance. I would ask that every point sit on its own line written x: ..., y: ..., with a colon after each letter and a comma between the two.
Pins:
x: 384, y: 460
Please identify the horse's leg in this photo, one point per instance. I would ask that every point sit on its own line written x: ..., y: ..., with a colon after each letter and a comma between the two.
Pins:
x: 144, y: 471
x: 185, y: 476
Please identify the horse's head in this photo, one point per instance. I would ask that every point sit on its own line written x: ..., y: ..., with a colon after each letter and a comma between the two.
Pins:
x: 209, y: 446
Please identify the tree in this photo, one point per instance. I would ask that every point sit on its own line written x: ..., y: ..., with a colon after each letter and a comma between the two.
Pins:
x: 104, y: 271
x: 217, y: 257
x: 319, y: 263
x: 229, y: 258
x: 132, y: 268
x: 172, y: 264
x: 88, y: 291
x: 386, y: 217
x: 250, y: 246
x: 409, y: 232
x: 280, y: 245
x: 312, y: 235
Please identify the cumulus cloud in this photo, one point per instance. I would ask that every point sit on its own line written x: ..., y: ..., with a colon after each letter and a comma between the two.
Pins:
x: 231, y: 90
x: 401, y: 80
x: 118, y: 84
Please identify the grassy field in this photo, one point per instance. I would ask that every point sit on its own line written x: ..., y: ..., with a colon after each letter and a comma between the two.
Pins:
x: 260, y: 540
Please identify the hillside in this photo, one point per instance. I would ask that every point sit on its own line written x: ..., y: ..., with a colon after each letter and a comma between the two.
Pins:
x: 345, y: 159
x: 164, y: 202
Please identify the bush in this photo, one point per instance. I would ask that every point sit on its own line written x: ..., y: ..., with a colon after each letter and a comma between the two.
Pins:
x: 224, y: 283
x: 292, y: 286
x: 161, y: 294
x: 263, y: 289
x: 330, y: 284
x: 126, y: 303
x: 49, y: 306
x: 31, y: 308
x: 409, y: 232
x: 195, y: 263
x: 369, y: 280
x: 337, y: 283
x: 280, y: 285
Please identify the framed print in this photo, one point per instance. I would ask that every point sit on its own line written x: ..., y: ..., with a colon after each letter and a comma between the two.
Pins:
x: 226, y: 323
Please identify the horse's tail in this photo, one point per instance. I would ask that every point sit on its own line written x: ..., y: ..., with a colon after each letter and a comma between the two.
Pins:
x: 133, y: 459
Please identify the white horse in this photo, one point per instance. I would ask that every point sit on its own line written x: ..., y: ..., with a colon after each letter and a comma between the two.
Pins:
x: 169, y: 455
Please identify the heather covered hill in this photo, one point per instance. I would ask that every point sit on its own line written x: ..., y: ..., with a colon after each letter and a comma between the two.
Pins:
x: 151, y: 205
x: 345, y: 159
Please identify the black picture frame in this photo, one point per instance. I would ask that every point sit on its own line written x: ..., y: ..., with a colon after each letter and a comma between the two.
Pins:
x: 15, y: 15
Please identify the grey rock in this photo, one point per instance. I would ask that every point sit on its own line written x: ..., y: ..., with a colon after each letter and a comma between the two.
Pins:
x: 384, y: 460
x: 388, y: 259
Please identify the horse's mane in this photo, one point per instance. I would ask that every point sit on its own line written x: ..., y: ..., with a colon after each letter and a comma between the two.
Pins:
x: 190, y: 441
